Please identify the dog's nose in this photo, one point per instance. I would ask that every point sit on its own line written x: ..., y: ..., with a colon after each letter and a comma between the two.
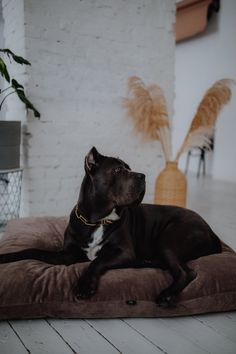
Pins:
x: 140, y: 176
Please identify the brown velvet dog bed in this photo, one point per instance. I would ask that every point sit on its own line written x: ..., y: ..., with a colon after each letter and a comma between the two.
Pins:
x: 33, y: 289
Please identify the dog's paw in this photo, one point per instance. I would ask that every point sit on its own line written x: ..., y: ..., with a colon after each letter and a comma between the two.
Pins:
x: 165, y: 299
x: 86, y: 287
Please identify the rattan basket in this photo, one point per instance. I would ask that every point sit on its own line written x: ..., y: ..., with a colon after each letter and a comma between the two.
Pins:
x: 171, y: 186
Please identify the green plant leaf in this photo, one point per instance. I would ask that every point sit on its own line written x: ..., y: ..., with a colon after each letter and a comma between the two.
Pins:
x: 3, y: 70
x: 17, y: 58
x: 18, y: 88
x: 27, y: 103
x: 15, y: 84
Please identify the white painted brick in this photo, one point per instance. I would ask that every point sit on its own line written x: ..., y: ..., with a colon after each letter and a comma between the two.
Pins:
x: 13, y: 16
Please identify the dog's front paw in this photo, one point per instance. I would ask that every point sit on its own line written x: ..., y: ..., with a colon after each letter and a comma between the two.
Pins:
x: 165, y: 299
x: 86, y: 287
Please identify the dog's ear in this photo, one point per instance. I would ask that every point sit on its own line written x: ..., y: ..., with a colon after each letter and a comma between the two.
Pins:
x: 92, y: 160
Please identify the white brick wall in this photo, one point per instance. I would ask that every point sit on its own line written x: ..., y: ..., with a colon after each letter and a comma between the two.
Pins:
x: 14, y: 39
x: 82, y: 53
x: 2, y: 113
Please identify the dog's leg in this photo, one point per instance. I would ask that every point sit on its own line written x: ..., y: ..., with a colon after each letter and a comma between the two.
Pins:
x: 60, y: 257
x: 89, y: 280
x: 182, y: 276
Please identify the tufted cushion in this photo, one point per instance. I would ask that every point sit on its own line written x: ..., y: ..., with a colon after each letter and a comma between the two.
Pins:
x: 33, y: 289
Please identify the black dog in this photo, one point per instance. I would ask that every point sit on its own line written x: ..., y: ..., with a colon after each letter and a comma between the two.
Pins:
x: 110, y: 227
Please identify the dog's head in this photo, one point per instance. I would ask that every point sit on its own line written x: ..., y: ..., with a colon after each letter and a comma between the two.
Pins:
x: 112, y: 180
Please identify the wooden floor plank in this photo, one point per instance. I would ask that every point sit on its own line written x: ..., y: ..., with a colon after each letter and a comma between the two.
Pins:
x: 82, y: 337
x: 127, y: 340
x: 202, y: 335
x: 164, y: 337
x: 216, y: 202
x: 232, y: 315
x: 220, y: 323
x: 40, y: 338
x: 9, y: 342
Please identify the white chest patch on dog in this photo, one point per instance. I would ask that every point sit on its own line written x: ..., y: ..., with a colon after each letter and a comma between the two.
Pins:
x: 96, y: 243
x: 113, y: 215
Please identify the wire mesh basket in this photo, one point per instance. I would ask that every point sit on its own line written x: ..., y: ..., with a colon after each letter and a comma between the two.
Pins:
x: 10, y: 195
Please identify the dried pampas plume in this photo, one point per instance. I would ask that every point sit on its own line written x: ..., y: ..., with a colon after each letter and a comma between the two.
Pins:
x: 148, y: 109
x: 202, y: 126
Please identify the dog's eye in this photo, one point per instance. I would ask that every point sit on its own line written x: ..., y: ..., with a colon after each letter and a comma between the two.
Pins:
x: 117, y: 169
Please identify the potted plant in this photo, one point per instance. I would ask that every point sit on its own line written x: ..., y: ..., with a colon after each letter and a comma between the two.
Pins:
x: 10, y: 131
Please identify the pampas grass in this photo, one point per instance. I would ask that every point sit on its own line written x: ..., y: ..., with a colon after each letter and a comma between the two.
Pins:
x: 146, y: 105
x: 148, y: 109
x: 203, y: 123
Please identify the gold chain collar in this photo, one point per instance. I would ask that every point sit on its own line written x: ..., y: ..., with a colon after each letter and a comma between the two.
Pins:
x: 86, y: 222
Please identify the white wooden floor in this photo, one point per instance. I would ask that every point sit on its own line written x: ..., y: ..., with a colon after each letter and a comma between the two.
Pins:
x: 212, y: 333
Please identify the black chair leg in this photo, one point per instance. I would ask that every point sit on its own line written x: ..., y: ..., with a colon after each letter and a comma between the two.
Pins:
x: 187, y: 162
x: 201, y: 161
x: 204, y: 162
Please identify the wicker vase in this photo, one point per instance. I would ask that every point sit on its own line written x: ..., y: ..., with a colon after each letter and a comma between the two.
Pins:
x: 171, y: 186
